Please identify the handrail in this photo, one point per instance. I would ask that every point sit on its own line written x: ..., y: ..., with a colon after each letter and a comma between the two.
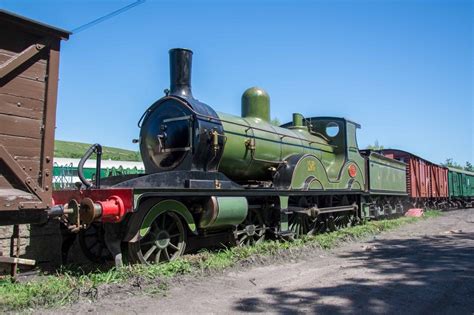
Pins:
x: 218, y: 120
x: 97, y: 149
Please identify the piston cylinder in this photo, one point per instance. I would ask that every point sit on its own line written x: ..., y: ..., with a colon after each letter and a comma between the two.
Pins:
x: 223, y: 211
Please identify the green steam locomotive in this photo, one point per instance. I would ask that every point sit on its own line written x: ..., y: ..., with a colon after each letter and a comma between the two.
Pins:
x: 215, y: 178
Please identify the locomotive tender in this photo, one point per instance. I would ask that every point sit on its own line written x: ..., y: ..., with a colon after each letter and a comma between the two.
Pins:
x: 212, y: 177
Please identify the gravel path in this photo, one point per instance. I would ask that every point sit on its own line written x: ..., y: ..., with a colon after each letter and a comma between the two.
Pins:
x: 421, y: 268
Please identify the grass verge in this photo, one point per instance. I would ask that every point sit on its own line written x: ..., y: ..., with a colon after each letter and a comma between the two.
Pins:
x: 67, y: 286
x: 69, y: 149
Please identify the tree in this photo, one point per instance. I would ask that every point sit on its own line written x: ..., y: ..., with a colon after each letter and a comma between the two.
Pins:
x: 451, y: 163
x: 275, y: 122
x: 469, y: 167
x: 376, y: 146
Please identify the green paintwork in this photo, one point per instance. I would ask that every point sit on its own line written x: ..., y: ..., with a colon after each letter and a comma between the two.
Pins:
x: 89, y: 172
x: 231, y: 211
x: 387, y: 176
x: 297, y: 120
x: 256, y: 103
x: 460, y: 183
x: 163, y: 206
x: 309, y: 174
x: 65, y: 174
x: 273, y: 145
x: 365, y: 210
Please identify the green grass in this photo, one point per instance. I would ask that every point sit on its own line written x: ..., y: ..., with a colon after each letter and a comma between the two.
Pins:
x: 68, y: 285
x: 69, y: 149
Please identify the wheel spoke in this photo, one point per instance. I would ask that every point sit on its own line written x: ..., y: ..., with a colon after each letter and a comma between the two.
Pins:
x: 94, y: 245
x: 157, y: 256
x: 252, y: 229
x: 167, y: 256
x: 153, y: 231
x: 172, y: 225
x: 149, y: 252
x: 163, y: 222
x: 165, y: 241
x: 173, y: 246
x: 147, y: 242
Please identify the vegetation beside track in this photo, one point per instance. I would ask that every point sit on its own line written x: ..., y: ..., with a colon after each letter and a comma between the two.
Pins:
x: 69, y: 149
x: 69, y: 285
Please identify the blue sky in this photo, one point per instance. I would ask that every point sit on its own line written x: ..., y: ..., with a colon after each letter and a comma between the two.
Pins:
x: 402, y: 69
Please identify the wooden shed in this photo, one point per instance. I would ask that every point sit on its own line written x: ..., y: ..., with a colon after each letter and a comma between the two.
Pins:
x: 29, y: 64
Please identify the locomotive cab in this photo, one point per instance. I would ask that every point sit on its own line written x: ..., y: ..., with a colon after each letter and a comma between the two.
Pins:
x: 337, y: 132
x: 334, y: 130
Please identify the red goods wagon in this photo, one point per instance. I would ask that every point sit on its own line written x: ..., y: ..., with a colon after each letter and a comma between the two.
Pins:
x: 424, y: 178
x: 439, y: 186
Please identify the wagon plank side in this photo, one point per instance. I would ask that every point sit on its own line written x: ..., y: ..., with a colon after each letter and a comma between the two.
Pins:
x: 29, y: 64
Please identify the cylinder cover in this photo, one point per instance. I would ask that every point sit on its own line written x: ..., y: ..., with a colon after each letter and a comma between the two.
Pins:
x: 224, y: 211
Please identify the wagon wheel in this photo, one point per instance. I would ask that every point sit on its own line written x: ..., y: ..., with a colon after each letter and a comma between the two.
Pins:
x: 399, y: 207
x: 355, y: 220
x: 92, y: 243
x: 165, y: 241
x: 252, y: 230
x: 345, y: 219
x: 330, y: 222
x: 302, y: 224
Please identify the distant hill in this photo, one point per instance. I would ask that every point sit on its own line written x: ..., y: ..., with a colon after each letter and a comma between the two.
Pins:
x: 69, y: 149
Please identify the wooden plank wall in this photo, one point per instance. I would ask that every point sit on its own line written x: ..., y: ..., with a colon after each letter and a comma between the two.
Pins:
x: 23, y: 105
x: 23, y: 102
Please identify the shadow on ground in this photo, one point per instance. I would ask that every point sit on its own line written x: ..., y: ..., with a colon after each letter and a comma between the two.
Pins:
x: 421, y: 275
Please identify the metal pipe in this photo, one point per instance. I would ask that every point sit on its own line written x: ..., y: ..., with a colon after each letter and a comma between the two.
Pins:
x: 95, y: 148
x: 98, y: 152
x: 219, y: 120
x: 56, y: 211
x: 180, y: 72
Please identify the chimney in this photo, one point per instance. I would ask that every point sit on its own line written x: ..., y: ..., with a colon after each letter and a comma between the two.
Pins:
x: 180, y: 72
